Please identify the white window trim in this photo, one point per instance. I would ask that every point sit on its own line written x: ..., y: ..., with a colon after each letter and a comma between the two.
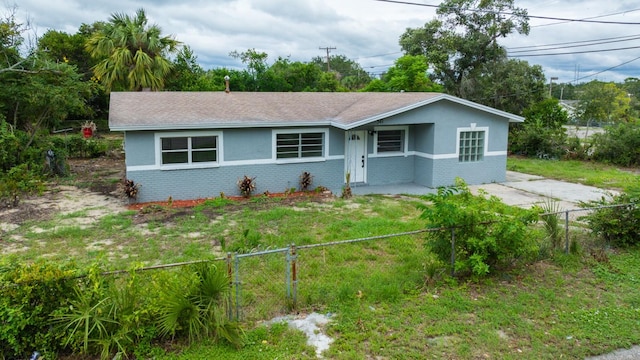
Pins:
x: 274, y: 145
x: 405, y: 146
x: 200, y: 165
x: 473, y: 127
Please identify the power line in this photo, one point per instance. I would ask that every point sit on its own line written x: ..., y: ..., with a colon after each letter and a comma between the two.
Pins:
x: 573, y: 46
x: 576, y: 52
x: 607, y: 69
x: 379, y: 55
x: 588, y: 18
x: 507, y: 13
x: 575, y: 42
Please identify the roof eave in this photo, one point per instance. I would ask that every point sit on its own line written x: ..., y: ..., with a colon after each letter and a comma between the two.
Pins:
x: 511, y: 117
x: 170, y: 127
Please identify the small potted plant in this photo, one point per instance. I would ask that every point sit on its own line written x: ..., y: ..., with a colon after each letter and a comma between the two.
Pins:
x: 88, y: 129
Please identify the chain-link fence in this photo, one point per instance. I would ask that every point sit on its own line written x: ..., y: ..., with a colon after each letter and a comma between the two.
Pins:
x: 271, y: 282
x: 574, y: 215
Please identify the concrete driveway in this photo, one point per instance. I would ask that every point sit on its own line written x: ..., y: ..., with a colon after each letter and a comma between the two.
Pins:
x: 526, y: 190
x: 520, y: 189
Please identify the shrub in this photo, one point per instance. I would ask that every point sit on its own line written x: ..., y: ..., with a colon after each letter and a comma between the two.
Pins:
x: 194, y: 304
x: 130, y: 189
x: 77, y: 146
x: 107, y: 316
x: 305, y: 180
x: 541, y: 134
x: 619, y: 145
x: 617, y: 226
x: 488, y: 234
x: 30, y: 294
x: 18, y: 181
x: 534, y: 140
x: 247, y: 185
x: 576, y: 149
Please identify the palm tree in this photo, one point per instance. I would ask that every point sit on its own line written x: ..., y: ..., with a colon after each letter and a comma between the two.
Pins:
x: 133, y: 55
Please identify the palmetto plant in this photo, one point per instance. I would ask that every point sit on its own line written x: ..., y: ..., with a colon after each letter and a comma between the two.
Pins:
x: 551, y: 222
x: 106, y: 315
x: 132, y: 55
x: 87, y: 323
x: 195, y: 304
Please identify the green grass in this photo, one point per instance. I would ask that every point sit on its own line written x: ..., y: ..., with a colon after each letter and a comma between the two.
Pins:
x: 587, y: 173
x: 388, y: 298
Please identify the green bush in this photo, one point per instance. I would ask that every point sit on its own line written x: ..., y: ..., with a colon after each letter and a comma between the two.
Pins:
x: 541, y: 134
x: 20, y: 180
x: 9, y: 147
x: 108, y: 316
x: 30, y: 294
x: 617, y: 226
x: 619, y: 145
x: 534, y: 140
x: 54, y: 309
x: 76, y: 146
x: 488, y: 234
x: 194, y: 305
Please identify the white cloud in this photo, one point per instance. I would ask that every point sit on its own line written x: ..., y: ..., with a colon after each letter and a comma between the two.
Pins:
x: 359, y: 29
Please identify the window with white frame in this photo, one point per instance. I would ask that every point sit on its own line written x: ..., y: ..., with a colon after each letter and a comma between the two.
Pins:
x: 471, y: 147
x: 390, y: 140
x: 299, y: 145
x: 189, y: 150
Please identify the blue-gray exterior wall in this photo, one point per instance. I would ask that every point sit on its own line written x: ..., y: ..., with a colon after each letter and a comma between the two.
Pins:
x: 449, y: 116
x: 247, y: 144
x: 431, y: 160
x: 158, y: 185
x: 390, y: 170
x: 491, y: 169
x: 139, y: 148
x: 240, y: 148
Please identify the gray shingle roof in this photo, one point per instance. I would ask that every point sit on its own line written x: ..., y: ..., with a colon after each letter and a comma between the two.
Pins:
x: 185, y: 110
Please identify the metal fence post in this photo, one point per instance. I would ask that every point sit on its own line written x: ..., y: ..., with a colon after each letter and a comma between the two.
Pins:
x: 294, y: 275
x: 453, y: 251
x: 566, y: 231
x: 287, y: 274
x: 230, y: 277
x: 237, y: 266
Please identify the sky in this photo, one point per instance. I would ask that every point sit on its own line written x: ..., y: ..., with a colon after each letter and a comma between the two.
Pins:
x: 366, y: 31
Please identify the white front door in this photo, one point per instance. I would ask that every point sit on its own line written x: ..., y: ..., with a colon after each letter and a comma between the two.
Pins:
x: 356, y: 156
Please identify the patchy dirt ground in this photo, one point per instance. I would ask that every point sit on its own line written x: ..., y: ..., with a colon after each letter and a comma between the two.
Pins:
x: 96, y: 191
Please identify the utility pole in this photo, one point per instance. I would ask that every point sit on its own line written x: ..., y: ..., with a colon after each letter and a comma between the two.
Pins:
x: 328, y: 50
x: 551, y: 84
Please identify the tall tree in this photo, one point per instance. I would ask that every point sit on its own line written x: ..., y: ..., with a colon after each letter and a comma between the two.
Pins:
x: 603, y: 102
x: 256, y: 65
x: 186, y: 72
x: 284, y: 75
x: 70, y: 48
x: 464, y: 37
x: 133, y: 55
x: 409, y: 73
x: 509, y: 85
x: 10, y: 41
x: 349, y: 73
x: 632, y: 87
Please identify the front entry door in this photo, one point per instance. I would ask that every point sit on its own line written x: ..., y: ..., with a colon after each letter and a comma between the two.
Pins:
x: 356, y: 156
